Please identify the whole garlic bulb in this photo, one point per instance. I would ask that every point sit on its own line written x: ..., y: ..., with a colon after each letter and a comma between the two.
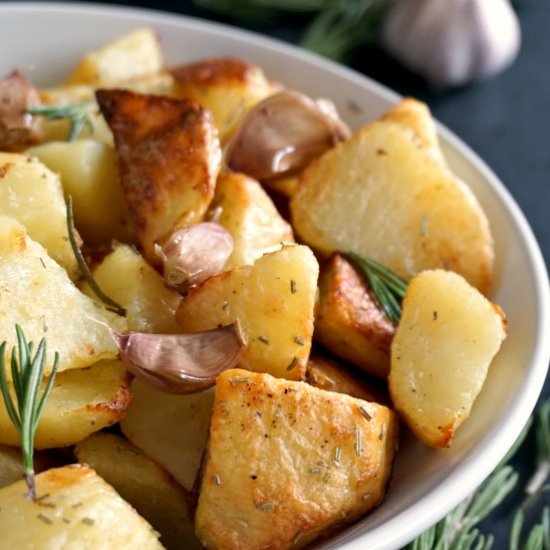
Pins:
x: 452, y: 42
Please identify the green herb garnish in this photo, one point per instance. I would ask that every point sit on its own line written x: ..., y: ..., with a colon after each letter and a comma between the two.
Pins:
x: 83, y: 266
x: 388, y: 288
x: 27, y: 374
x: 77, y: 113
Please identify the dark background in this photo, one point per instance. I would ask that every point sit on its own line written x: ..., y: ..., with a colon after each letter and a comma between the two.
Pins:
x: 505, y: 119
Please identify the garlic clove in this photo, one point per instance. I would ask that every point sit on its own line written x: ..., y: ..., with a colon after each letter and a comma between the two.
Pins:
x: 454, y: 42
x: 192, y: 255
x: 283, y: 133
x: 16, y: 125
x: 180, y: 363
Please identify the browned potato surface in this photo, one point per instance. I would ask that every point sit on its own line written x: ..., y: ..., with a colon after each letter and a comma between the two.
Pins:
x: 228, y: 87
x: 441, y: 353
x: 381, y: 194
x: 349, y: 322
x: 169, y: 157
x: 327, y: 373
x: 273, y: 299
x: 76, y: 510
x: 286, y: 462
x: 82, y: 401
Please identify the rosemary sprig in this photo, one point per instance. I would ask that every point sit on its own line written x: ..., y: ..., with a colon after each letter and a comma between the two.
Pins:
x: 77, y: 113
x: 388, y: 288
x: 27, y: 374
x: 83, y: 266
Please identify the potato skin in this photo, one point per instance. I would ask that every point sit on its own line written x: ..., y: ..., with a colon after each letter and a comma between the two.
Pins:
x: 349, y: 322
x: 169, y: 158
x: 287, y: 462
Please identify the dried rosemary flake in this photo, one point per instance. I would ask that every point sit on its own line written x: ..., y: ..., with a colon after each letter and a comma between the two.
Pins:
x: 264, y: 506
x: 217, y: 480
x: 292, y: 364
x: 239, y: 379
x: 365, y: 413
x: 297, y: 538
x: 225, y: 305
x: 315, y: 470
x: 45, y: 519
x: 263, y: 340
x: 358, y: 448
x: 76, y: 505
x: 87, y: 521
x: 299, y: 341
x: 337, y: 455
x: 366, y: 497
x: 293, y: 288
x: 383, y: 431
x: 42, y: 262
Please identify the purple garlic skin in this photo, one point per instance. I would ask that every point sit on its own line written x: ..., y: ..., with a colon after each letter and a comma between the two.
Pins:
x: 17, y: 127
x: 181, y: 363
x: 284, y: 133
x: 192, y: 255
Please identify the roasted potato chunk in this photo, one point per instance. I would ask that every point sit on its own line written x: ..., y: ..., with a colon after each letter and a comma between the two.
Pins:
x: 77, y: 510
x: 89, y: 174
x: 441, y: 352
x: 131, y: 56
x: 349, y: 321
x: 286, y: 462
x: 38, y: 295
x: 273, y: 299
x: 169, y: 157
x: 415, y: 115
x: 326, y: 373
x: 143, y: 484
x: 248, y: 213
x: 171, y: 429
x: 129, y: 280
x: 31, y: 193
x: 381, y: 194
x: 226, y: 86
x: 81, y: 402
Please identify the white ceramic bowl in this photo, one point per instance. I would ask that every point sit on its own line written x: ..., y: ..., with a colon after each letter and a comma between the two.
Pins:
x: 46, y: 40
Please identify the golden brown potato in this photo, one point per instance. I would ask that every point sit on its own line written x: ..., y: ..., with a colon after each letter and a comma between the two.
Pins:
x: 81, y: 402
x: 170, y: 429
x: 38, y: 295
x: 129, y: 280
x: 228, y: 87
x: 275, y: 448
x: 273, y: 299
x: 89, y: 174
x: 143, y: 484
x: 248, y: 213
x: 136, y: 54
x: 30, y: 192
x: 285, y: 185
x: 415, y: 115
x: 445, y: 342
x: 77, y: 510
x: 381, y: 194
x: 349, y: 322
x: 169, y: 157
x: 326, y: 373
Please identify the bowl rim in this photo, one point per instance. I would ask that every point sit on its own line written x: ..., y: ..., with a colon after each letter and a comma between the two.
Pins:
x: 430, y: 508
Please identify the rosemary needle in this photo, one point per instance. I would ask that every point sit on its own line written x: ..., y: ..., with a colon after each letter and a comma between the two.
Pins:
x: 83, y: 266
x: 27, y: 374
x: 77, y: 113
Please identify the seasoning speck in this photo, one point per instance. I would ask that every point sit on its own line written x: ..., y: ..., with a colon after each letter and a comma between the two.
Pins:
x: 337, y: 455
x: 358, y: 448
x: 293, y: 286
x: 217, y: 480
x: 365, y: 413
x: 44, y: 518
x: 264, y: 506
x: 299, y: 341
x: 263, y: 340
x: 87, y: 521
x: 292, y: 364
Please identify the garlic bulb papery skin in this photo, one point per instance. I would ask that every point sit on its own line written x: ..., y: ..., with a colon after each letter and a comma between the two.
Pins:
x: 452, y: 42
x: 192, y: 255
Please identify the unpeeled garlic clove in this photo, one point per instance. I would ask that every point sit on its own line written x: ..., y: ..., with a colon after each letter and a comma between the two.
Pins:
x: 180, y: 363
x: 452, y: 42
x: 16, y: 125
x: 194, y: 254
x: 283, y: 133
